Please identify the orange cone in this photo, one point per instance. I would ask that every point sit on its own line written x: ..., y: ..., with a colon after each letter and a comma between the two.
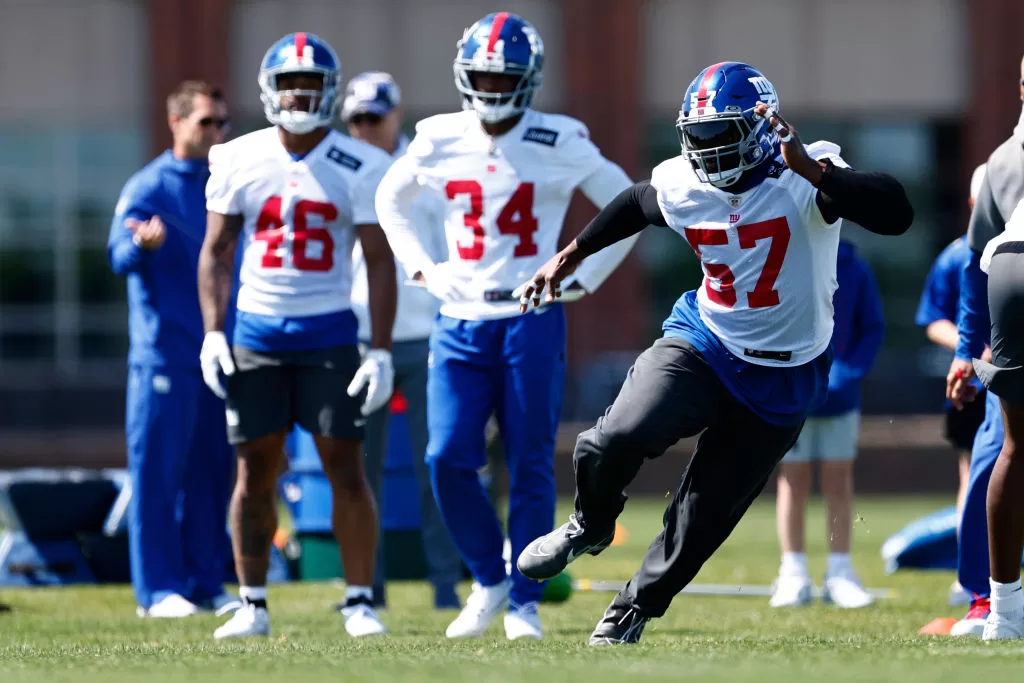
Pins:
x: 620, y: 535
x: 940, y: 626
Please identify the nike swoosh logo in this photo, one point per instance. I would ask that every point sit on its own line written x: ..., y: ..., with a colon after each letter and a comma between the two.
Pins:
x: 539, y: 551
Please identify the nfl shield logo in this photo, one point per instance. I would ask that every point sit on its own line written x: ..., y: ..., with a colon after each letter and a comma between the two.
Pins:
x: 734, y: 202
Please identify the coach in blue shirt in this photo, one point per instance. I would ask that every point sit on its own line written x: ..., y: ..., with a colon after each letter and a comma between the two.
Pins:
x: 178, y: 456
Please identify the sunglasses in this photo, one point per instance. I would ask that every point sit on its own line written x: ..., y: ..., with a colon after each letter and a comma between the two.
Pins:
x: 371, y: 119
x: 208, y: 121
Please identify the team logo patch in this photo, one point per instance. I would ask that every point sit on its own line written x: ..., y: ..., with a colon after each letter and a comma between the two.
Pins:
x: 734, y: 218
x: 346, y: 160
x: 544, y: 136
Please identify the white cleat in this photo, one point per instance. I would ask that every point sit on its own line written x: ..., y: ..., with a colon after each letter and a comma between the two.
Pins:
x: 1001, y: 628
x: 361, y: 620
x: 482, y: 606
x: 958, y: 596
x: 973, y: 623
x: 225, y: 604
x: 246, y: 622
x: 844, y: 590
x: 171, y: 607
x: 522, y: 621
x: 791, y: 591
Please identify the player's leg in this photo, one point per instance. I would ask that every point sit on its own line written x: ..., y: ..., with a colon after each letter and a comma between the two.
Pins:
x: 961, y: 428
x: 839, y: 440
x: 209, y: 476
x: 443, y: 561
x: 375, y: 446
x: 669, y: 393
x: 325, y: 410
x: 259, y: 416
x: 1004, y: 377
x: 528, y: 412
x: 734, y: 459
x: 461, y: 384
x: 157, y: 426
x: 972, y: 548
x: 793, y: 586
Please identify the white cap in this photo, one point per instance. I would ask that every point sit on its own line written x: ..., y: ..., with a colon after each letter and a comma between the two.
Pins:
x: 976, y: 179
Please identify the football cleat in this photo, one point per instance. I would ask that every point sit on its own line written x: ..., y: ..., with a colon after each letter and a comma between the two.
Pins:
x: 621, y: 625
x: 483, y: 604
x: 247, y: 622
x: 547, y: 556
x: 973, y: 623
x: 522, y: 621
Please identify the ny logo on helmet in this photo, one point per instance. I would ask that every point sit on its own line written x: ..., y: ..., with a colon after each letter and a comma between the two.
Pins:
x: 765, y: 89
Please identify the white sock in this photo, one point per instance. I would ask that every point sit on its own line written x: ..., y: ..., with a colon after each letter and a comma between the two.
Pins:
x: 356, y: 592
x: 793, y: 564
x: 253, y: 595
x: 1007, y: 599
x: 839, y: 564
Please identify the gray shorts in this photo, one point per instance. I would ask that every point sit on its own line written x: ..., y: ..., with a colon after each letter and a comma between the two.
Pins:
x: 1004, y: 376
x: 832, y: 438
x: 270, y: 392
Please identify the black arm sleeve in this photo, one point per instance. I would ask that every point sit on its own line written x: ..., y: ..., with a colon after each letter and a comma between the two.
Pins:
x: 875, y: 201
x: 633, y: 210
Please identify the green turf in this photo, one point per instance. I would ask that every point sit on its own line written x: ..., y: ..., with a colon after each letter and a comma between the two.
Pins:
x: 92, y: 633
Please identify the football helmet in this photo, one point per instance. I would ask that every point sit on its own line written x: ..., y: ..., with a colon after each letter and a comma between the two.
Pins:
x: 301, y: 53
x: 500, y: 43
x: 718, y: 130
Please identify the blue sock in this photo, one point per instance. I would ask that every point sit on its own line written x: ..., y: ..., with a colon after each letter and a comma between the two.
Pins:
x: 471, y: 520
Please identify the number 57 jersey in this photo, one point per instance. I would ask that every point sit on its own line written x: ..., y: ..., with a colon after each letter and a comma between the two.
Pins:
x: 769, y: 258
x: 299, y: 216
x: 504, y: 202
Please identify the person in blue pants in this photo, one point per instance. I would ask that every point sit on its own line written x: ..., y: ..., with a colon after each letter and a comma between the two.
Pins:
x: 937, y: 312
x: 179, y: 460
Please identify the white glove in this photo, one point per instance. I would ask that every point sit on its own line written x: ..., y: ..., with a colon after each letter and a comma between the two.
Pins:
x: 378, y: 376
x: 444, y: 284
x: 214, y: 358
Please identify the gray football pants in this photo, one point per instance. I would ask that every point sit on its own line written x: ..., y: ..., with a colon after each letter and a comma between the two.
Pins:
x: 672, y: 393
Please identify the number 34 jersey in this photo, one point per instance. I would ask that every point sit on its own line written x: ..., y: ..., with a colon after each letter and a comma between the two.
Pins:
x: 769, y: 259
x: 299, y: 218
x: 504, y: 202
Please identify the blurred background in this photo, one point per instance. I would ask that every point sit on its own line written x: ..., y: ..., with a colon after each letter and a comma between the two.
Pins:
x: 923, y: 89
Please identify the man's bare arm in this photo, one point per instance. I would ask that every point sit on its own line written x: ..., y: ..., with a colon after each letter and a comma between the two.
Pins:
x: 217, y: 268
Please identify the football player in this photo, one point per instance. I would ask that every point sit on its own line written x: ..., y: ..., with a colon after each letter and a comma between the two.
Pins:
x: 297, y: 195
x: 506, y: 173
x: 744, y: 358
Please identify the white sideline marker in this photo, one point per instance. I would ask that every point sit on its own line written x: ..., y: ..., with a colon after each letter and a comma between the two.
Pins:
x: 734, y: 590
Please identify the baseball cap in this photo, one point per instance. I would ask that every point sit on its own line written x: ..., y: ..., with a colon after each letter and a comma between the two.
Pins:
x: 372, y: 92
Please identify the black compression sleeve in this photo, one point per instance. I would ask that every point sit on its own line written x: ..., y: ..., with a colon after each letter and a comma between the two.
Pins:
x: 633, y: 210
x: 875, y: 201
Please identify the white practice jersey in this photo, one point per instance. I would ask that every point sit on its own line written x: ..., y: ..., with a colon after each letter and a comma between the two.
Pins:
x: 300, y: 218
x: 504, y: 202
x: 769, y: 258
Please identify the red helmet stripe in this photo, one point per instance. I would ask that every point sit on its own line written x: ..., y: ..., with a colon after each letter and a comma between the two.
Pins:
x: 300, y: 45
x: 702, y: 92
x: 496, y: 26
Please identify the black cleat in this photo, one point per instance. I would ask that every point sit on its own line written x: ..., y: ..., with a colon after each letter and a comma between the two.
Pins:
x: 620, y: 625
x: 547, y: 556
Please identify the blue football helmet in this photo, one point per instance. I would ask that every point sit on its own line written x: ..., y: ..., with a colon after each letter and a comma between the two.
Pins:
x: 303, y: 53
x: 718, y: 130
x: 501, y: 43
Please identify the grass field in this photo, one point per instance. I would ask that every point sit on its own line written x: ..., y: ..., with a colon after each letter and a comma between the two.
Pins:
x: 91, y: 634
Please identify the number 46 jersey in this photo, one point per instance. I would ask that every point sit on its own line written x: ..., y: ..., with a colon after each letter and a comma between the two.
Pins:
x: 769, y: 258
x: 504, y: 202
x: 299, y: 218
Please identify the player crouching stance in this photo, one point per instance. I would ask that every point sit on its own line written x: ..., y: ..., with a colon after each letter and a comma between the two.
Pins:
x: 744, y: 358
x: 298, y: 195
